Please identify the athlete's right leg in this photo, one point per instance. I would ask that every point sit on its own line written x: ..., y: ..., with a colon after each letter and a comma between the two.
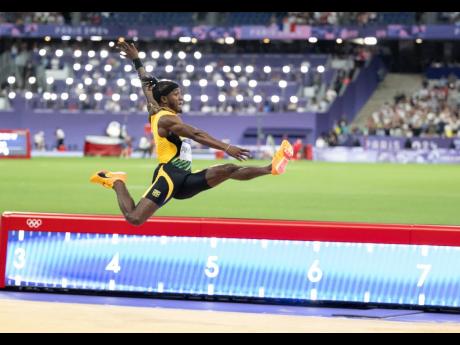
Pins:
x: 134, y: 214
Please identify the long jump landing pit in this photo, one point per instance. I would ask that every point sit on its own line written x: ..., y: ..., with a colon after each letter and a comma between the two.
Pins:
x: 390, y: 265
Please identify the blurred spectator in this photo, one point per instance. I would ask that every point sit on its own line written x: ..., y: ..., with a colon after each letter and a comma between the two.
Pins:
x: 39, y: 141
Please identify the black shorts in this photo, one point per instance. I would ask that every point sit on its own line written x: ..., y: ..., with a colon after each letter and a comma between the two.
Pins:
x: 171, y: 182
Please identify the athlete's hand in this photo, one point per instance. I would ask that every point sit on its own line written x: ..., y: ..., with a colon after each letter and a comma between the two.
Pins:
x: 238, y: 153
x: 128, y: 50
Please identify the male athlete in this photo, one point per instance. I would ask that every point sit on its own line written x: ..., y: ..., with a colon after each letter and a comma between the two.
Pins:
x: 173, y: 177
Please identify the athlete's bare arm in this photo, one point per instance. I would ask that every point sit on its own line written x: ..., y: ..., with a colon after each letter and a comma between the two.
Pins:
x: 168, y: 123
x: 132, y: 53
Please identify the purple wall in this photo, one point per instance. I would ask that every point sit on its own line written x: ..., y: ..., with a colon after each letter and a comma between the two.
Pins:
x: 354, y: 98
x: 79, y: 124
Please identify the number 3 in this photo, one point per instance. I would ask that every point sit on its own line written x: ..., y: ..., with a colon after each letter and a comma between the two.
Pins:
x: 19, y: 258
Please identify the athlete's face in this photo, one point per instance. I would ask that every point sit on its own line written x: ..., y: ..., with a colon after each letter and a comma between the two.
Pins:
x: 175, y: 100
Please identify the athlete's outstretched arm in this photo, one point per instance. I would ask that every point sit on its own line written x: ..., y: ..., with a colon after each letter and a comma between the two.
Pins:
x: 176, y: 125
x: 132, y: 53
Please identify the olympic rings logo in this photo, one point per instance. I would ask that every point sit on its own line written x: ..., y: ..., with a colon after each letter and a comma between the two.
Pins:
x: 34, y: 223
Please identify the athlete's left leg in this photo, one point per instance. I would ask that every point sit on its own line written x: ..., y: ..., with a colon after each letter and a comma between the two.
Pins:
x: 220, y: 173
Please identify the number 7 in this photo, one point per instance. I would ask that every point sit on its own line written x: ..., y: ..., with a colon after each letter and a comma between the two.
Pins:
x: 425, y: 270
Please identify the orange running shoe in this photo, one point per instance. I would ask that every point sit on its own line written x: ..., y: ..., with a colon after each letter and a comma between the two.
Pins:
x: 282, y: 158
x: 107, y: 178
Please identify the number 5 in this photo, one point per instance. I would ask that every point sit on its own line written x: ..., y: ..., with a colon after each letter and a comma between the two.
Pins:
x: 212, y: 269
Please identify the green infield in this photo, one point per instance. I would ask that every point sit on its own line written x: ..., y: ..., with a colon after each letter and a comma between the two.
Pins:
x: 383, y: 193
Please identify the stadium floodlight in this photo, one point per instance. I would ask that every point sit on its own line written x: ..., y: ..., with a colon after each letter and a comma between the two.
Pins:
x: 282, y: 84
x: 142, y: 55
x: 257, y: 98
x: 59, y: 52
x: 102, y: 81
x: 186, y: 82
x: 187, y: 97
x: 249, y: 69
x: 181, y: 55
x: 77, y: 53
x: 69, y: 81
x: 82, y: 97
x: 185, y: 39
x: 32, y: 80
x: 338, y: 41
x: 47, y: 38
x: 189, y: 68
x: 293, y: 99
x: 42, y: 52
x: 237, y: 69
x: 80, y: 86
x: 149, y: 68
x: 76, y: 66
x: 155, y: 54
x: 111, y: 44
x: 121, y: 82
x: 229, y: 40
x: 46, y: 96
x: 50, y: 80
x: 54, y: 97
x: 208, y: 68
x: 304, y: 69
x: 220, y: 83
x: 115, y: 97
x: 169, y: 68
x: 88, y: 67
x: 204, y: 98
x: 136, y: 82
x: 29, y: 95
x: 286, y: 69
x: 12, y: 95
x: 107, y: 68
x: 197, y: 55
x: 233, y: 83
x: 104, y: 53
x: 91, y: 53
x: 320, y: 69
x: 64, y: 96
x: 168, y: 55
x: 221, y: 98
x: 11, y: 79
x: 370, y: 41
x: 252, y: 83
x: 66, y: 38
x: 418, y: 41
x: 267, y: 69
x: 275, y: 99
x: 239, y: 98
x: 128, y: 68
x: 203, y: 82
x: 98, y: 96
x: 95, y: 38
x: 194, y: 40
x: 133, y: 97
x: 312, y: 40
x: 226, y: 69
x: 88, y: 81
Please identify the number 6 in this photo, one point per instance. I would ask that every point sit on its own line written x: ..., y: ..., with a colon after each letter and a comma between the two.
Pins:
x: 314, y: 273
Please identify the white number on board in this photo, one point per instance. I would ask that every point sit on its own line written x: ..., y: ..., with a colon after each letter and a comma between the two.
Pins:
x: 425, y: 270
x: 314, y: 273
x: 114, y: 264
x: 212, y: 269
x: 19, y: 258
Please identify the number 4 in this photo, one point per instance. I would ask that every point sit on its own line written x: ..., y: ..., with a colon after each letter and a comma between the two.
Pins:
x: 114, y: 264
